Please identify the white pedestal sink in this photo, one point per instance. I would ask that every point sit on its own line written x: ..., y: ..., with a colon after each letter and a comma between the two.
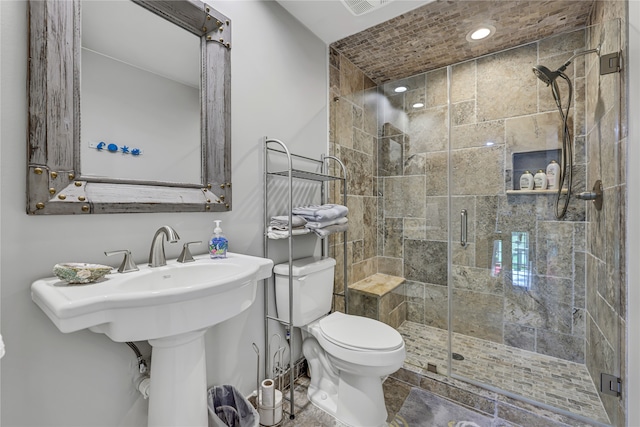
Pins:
x: 171, y: 307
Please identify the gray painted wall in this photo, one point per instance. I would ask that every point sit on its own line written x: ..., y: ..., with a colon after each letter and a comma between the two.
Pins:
x: 279, y: 78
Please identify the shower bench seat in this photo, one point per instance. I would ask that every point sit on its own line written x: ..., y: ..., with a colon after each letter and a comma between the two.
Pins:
x: 380, y: 297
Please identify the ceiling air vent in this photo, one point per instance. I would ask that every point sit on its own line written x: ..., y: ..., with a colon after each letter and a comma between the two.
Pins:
x: 359, y: 7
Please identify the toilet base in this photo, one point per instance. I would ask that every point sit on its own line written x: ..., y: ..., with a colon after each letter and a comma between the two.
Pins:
x: 358, y: 403
x: 322, y: 400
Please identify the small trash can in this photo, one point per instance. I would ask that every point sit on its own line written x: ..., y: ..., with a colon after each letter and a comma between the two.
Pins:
x: 229, y: 408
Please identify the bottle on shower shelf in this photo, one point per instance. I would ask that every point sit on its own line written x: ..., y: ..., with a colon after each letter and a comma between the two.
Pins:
x: 526, y: 181
x: 553, y: 175
x: 540, y: 180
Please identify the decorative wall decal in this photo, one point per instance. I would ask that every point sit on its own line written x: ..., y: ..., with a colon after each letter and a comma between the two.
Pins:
x: 114, y: 148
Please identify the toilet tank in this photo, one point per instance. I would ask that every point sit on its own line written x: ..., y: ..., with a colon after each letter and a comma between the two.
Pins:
x: 312, y: 289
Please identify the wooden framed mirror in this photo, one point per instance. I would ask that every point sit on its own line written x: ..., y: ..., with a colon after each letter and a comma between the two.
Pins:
x: 56, y: 181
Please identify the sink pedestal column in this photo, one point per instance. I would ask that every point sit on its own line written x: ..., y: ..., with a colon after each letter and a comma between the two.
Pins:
x: 178, y: 388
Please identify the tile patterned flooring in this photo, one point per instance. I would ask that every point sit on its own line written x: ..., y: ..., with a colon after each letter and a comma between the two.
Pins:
x: 552, y: 381
x: 307, y: 415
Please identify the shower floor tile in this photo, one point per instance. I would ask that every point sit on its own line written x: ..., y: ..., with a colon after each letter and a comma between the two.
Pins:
x: 395, y: 395
x: 548, y: 380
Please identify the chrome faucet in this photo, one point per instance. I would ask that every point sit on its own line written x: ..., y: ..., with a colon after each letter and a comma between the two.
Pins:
x: 156, y: 255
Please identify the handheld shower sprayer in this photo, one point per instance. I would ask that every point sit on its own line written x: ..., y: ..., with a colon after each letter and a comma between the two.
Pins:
x: 548, y: 76
x: 566, y: 166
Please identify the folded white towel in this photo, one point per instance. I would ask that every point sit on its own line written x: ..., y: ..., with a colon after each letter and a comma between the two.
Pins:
x: 324, y: 232
x: 283, y: 234
x: 321, y: 212
x: 282, y: 222
x: 322, y: 224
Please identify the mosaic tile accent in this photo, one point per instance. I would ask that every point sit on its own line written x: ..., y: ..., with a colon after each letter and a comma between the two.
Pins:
x: 405, y: 46
x: 548, y: 380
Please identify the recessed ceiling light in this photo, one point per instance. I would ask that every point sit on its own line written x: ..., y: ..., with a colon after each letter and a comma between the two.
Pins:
x: 480, y: 33
x: 418, y: 105
x: 400, y: 89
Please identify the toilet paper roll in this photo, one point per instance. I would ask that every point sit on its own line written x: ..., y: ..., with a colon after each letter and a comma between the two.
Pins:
x: 270, y: 416
x: 267, y: 389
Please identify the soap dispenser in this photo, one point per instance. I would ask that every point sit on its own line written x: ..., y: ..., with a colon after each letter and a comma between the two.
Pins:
x: 218, y: 244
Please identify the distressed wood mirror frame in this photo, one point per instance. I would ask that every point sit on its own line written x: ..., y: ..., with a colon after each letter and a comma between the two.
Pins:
x: 55, y: 184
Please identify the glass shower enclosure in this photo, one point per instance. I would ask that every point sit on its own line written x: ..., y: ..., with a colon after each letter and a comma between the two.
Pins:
x: 501, y: 293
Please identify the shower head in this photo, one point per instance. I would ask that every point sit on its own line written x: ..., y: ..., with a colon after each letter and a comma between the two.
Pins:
x: 545, y: 74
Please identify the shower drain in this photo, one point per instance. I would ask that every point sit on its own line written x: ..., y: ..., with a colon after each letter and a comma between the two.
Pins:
x: 457, y: 356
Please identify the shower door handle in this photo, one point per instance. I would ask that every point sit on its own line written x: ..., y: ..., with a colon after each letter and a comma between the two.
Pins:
x: 463, y: 228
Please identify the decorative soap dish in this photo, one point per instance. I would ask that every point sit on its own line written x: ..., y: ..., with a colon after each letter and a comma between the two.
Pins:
x: 76, y: 273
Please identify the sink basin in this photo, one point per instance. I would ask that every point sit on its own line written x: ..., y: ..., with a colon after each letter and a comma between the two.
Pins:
x: 171, y: 307
x: 155, y: 302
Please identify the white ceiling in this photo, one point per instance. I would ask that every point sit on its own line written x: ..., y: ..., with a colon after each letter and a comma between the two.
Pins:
x: 330, y: 20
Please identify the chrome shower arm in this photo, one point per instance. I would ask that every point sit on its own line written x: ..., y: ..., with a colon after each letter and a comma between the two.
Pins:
x: 586, y: 52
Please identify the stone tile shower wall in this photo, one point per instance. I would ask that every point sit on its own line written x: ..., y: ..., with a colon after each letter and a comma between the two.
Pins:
x: 353, y: 139
x: 493, y: 99
x: 606, y: 124
x: 398, y: 159
x: 575, y: 308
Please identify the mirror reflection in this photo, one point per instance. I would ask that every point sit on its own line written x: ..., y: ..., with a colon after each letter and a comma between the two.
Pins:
x: 140, y: 96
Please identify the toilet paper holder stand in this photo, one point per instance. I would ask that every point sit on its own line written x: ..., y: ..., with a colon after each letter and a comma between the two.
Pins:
x: 269, y: 397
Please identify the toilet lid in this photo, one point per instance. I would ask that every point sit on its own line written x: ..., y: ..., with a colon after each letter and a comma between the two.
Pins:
x: 360, y: 332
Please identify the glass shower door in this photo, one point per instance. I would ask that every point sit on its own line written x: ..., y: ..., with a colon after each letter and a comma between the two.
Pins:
x: 534, y: 300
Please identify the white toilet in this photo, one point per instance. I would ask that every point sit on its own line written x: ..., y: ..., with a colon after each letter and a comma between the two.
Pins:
x: 348, y: 356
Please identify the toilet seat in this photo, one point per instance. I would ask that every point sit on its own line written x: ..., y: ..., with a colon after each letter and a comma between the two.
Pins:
x: 390, y: 356
x: 359, y: 333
